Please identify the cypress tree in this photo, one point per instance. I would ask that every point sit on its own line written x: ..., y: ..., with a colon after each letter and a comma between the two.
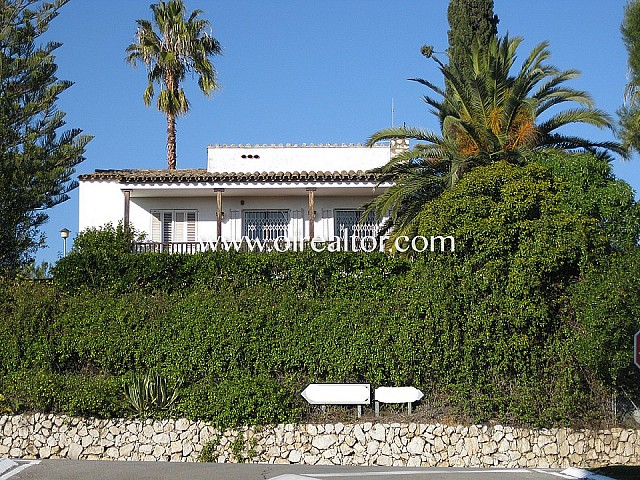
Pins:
x: 469, y: 21
x: 37, y: 160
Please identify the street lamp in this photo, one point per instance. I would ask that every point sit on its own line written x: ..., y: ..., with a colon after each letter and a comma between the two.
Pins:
x: 64, y: 233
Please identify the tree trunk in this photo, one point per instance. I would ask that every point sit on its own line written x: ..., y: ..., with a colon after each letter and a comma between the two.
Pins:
x: 171, y: 142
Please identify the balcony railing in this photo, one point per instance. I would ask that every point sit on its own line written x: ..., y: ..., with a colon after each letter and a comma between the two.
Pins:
x: 366, y: 243
x: 169, y: 247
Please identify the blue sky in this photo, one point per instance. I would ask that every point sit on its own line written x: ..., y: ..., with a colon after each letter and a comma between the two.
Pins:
x: 295, y: 71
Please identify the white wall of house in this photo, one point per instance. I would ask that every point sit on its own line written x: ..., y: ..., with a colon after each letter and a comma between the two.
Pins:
x: 102, y: 199
x: 101, y: 202
x: 298, y: 208
x: 276, y: 158
x: 141, y: 208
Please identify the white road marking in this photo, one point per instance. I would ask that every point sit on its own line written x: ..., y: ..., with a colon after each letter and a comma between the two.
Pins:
x: 556, y: 474
x: 486, y: 471
x: 580, y: 473
x: 291, y: 477
x: 6, y: 465
x: 13, y: 468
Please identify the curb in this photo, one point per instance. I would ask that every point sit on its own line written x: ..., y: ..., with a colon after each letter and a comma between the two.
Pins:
x: 586, y: 474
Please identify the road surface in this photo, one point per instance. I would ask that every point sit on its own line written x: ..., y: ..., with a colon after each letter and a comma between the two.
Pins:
x: 112, y: 470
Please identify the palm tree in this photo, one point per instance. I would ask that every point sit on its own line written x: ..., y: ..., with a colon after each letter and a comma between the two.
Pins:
x: 180, y: 45
x: 629, y: 113
x: 494, y: 115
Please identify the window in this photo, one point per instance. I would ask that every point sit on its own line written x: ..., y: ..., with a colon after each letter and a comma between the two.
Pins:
x: 173, y: 225
x: 265, y: 224
x: 349, y: 220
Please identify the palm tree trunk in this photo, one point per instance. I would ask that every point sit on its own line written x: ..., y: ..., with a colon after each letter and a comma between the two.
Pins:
x: 171, y: 142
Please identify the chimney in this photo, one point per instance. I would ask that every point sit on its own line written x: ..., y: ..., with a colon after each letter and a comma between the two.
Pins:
x: 398, y: 146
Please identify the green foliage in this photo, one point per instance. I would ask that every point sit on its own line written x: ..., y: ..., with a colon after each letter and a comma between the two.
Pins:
x: 629, y: 113
x: 27, y: 310
x: 499, y: 113
x: 91, y: 395
x: 470, y: 22
x: 35, y: 390
x: 208, y: 452
x: 37, y: 160
x: 243, y: 450
x: 241, y: 401
x: 500, y: 328
x: 102, y: 259
x: 5, y: 408
x: 70, y: 394
x: 586, y: 186
x: 98, y: 255
x: 37, y: 272
x: 150, y: 393
x: 607, y: 304
x: 522, y: 241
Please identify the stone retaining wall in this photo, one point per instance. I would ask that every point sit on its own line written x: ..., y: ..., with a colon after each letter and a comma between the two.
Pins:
x: 410, y: 444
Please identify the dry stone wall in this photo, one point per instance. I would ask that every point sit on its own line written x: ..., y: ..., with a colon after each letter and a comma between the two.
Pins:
x: 401, y: 444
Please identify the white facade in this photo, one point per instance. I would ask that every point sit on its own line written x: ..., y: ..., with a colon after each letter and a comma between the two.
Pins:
x: 295, y: 158
x: 259, y: 192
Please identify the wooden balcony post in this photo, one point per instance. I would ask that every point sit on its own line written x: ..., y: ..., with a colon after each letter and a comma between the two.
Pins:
x: 127, y: 202
x: 312, y: 213
x: 219, y: 212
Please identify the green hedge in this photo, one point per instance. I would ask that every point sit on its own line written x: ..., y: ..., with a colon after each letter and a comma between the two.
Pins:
x: 244, y: 355
x: 102, y: 259
x: 528, y: 321
x: 71, y: 394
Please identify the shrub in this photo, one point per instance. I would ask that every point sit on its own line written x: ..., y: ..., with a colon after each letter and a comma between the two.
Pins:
x: 71, y: 394
x: 92, y: 395
x: 31, y: 390
x: 529, y: 320
x: 241, y: 401
x: 98, y: 258
x: 607, y: 309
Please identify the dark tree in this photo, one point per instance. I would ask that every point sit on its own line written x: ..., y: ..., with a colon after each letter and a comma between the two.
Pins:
x: 37, y: 160
x: 469, y: 21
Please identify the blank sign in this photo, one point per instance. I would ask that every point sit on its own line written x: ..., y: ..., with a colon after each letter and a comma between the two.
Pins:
x: 338, y: 393
x: 397, y: 394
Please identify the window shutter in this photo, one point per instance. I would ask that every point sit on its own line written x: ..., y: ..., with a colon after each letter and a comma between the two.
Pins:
x: 327, y: 220
x: 191, y: 226
x: 167, y: 226
x: 178, y: 234
x: 156, y: 231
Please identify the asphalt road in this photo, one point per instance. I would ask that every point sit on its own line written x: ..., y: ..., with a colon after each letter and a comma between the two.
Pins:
x: 98, y: 470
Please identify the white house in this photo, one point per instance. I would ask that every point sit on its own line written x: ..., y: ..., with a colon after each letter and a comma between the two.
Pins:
x: 258, y: 192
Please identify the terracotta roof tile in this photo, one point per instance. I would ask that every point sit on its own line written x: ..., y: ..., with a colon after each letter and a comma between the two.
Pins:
x: 202, y: 175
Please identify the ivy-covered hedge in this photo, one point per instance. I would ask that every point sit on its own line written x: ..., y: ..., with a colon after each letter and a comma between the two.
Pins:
x: 529, y: 320
x: 102, y: 259
x: 244, y: 354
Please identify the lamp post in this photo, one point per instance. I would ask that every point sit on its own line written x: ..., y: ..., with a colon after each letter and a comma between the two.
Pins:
x: 64, y: 233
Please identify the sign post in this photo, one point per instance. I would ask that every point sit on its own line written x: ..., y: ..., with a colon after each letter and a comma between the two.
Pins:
x: 636, y: 349
x: 406, y: 395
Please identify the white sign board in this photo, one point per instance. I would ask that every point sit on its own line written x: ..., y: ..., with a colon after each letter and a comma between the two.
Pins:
x: 338, y: 393
x: 397, y: 394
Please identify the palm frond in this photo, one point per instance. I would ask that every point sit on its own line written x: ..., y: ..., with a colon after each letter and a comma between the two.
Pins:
x: 590, y: 116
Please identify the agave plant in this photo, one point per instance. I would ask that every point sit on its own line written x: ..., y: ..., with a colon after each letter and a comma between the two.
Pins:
x: 150, y: 392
